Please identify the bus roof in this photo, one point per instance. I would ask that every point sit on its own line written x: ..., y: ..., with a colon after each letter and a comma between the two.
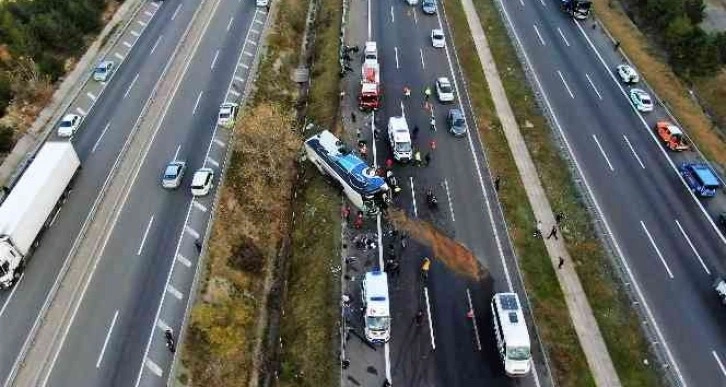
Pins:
x: 512, y: 321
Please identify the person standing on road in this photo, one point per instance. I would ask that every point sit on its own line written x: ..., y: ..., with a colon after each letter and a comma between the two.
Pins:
x: 418, y: 318
x: 560, y: 263
x: 538, y: 229
x: 427, y: 93
x: 427, y: 158
x: 414, y: 134
x: 553, y: 233
x: 497, y: 181
x: 425, y: 266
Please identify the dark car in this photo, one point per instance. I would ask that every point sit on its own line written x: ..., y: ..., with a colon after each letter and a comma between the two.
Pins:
x: 457, y: 123
x: 429, y: 7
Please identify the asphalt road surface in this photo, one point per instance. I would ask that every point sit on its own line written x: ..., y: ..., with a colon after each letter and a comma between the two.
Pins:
x: 110, y: 335
x: 664, y: 238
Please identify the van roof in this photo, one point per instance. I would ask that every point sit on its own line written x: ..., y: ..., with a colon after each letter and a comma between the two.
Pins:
x: 376, y: 283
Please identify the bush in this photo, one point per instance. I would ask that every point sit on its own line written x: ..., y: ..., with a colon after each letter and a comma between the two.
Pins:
x: 6, y: 93
x: 7, y: 139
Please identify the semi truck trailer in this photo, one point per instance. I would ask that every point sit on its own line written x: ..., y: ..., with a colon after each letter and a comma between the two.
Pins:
x: 32, y: 204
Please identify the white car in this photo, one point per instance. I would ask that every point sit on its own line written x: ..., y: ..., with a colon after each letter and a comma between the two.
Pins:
x: 437, y: 38
x: 262, y: 3
x: 227, y: 114
x: 202, y: 182
x: 627, y: 74
x: 412, y: 2
x: 641, y: 100
x: 69, y: 124
x: 444, y: 90
x: 103, y: 71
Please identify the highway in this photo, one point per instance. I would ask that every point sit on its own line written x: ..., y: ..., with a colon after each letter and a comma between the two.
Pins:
x: 667, y: 246
x: 112, y: 331
x: 468, y: 212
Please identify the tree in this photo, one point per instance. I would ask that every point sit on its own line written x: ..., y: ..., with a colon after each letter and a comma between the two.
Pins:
x: 694, y: 10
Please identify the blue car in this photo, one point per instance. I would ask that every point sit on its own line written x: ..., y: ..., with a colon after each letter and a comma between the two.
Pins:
x: 428, y: 7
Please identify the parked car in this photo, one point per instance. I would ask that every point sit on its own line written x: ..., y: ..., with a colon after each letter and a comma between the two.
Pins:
x: 437, y: 38
x: 428, y: 7
x: 227, y: 114
x: 103, y: 71
x: 444, y: 90
x: 641, y: 100
x: 262, y: 3
x: 173, y: 174
x: 627, y: 74
x: 69, y: 125
x: 202, y: 182
x: 457, y: 123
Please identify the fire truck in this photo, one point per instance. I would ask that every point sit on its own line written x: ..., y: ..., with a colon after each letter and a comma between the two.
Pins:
x: 370, y: 89
x: 672, y: 136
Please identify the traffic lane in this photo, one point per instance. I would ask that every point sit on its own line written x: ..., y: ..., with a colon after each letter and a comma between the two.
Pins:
x: 143, y: 203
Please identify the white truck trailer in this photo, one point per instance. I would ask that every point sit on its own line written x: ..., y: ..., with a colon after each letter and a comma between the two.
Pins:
x: 32, y: 204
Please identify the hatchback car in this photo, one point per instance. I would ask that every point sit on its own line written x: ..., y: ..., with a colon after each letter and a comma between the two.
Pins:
x: 227, y: 114
x: 641, y: 100
x: 69, y: 125
x: 444, y: 90
x: 627, y: 74
x: 103, y: 71
x: 457, y: 123
x: 437, y: 38
x: 173, y: 174
x: 428, y: 7
x: 202, y: 182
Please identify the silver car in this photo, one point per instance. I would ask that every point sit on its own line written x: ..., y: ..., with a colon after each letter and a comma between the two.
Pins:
x: 173, y: 174
x: 103, y: 71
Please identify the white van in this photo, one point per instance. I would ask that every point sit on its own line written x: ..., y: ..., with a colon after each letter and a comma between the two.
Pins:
x: 377, y: 324
x: 400, y: 139
x: 370, y: 52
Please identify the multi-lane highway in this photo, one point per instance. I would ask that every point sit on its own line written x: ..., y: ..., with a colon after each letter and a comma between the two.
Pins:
x: 668, y: 247
x: 142, y: 279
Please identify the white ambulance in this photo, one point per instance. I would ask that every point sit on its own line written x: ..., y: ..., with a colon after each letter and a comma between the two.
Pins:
x: 377, y: 324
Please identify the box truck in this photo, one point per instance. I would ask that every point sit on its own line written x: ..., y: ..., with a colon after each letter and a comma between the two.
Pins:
x: 32, y: 205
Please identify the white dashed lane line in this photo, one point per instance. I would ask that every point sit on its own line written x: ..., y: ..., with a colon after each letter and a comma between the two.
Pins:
x: 134, y: 33
x: 183, y: 260
x: 119, y: 56
x: 174, y: 292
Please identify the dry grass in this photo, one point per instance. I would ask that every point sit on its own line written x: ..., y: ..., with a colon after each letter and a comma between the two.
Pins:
x: 712, y: 91
x: 659, y: 75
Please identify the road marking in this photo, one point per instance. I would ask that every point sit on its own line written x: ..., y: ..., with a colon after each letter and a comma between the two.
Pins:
x: 593, y: 86
x: 602, y: 151
x: 196, y: 104
x: 134, y: 33
x: 451, y: 203
x: 153, y: 367
x: 147, y: 13
x: 146, y: 234
x: 563, y: 36
x: 657, y: 250
x: 395, y: 50
x: 156, y: 5
x: 431, y: 323
x: 105, y: 342
x: 141, y: 23
x: 521, y: 3
x: 119, y: 56
x: 239, y: 79
x: 176, y: 154
x: 543, y: 3
x: 199, y: 206
x: 174, y: 292
x: 565, y: 83
x: 131, y: 85
x: 415, y: 18
x: 12, y: 292
x: 80, y: 111
x: 212, y: 161
x: 536, y: 30
x: 184, y: 261
x: 244, y: 65
x: 231, y: 19
x: 214, y: 61
x: 634, y: 153
x: 100, y: 137
x: 191, y: 232
x: 718, y: 360
x: 393, y: 19
x: 254, y: 31
x: 473, y: 319
x: 703, y: 264
x: 423, y: 64
x: 176, y: 11
x: 91, y: 96
x: 252, y: 42
x: 403, y: 110
x: 234, y: 92
x: 219, y: 142
x: 370, y: 30
x: 153, y: 48
x: 413, y: 197
x: 249, y: 54
x: 259, y: 22
x: 127, y: 44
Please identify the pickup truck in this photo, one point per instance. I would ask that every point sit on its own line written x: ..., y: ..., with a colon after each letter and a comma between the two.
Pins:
x: 672, y: 136
x: 700, y: 179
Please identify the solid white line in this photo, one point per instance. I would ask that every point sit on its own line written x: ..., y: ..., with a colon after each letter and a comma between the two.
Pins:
x: 141, y: 23
x: 451, y: 203
x: 127, y: 44
x: 420, y: 50
x: 105, y: 342
x: 413, y: 197
x: 415, y: 18
x: 431, y: 323
x: 10, y: 296
x: 563, y: 37
x: 370, y: 29
x: 91, y: 96
x: 134, y: 33
x: 154, y: 367
x: 373, y: 136
x: 196, y: 104
x: 146, y: 233
x: 565, y: 83
x: 231, y: 19
x: 387, y: 357
x: 153, y: 48
x: 718, y: 360
x: 593, y: 85
x: 212, y: 161
x: 703, y: 264
x: 176, y: 154
x: 176, y: 11
x: 191, y: 231
x: 174, y: 292
x: 473, y: 319
x: 184, y: 261
x: 199, y: 206
x: 657, y: 250
x: 219, y: 142
x: 216, y: 54
x: 119, y: 56
x: 81, y: 111
x: 393, y: 19
x: 131, y: 85
x: 602, y: 151
x: 100, y: 137
x: 536, y: 30
x: 403, y: 110
x: 395, y: 50
x: 634, y: 153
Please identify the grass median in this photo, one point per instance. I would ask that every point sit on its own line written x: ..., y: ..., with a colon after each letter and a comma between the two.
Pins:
x: 618, y: 323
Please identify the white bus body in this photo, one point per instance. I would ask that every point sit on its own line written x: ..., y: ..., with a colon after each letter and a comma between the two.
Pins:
x: 510, y: 331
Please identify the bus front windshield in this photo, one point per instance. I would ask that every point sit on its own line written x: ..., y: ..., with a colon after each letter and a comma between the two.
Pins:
x: 378, y: 323
x: 518, y: 353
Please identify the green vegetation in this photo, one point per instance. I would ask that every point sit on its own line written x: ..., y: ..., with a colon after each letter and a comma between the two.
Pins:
x: 617, y: 322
